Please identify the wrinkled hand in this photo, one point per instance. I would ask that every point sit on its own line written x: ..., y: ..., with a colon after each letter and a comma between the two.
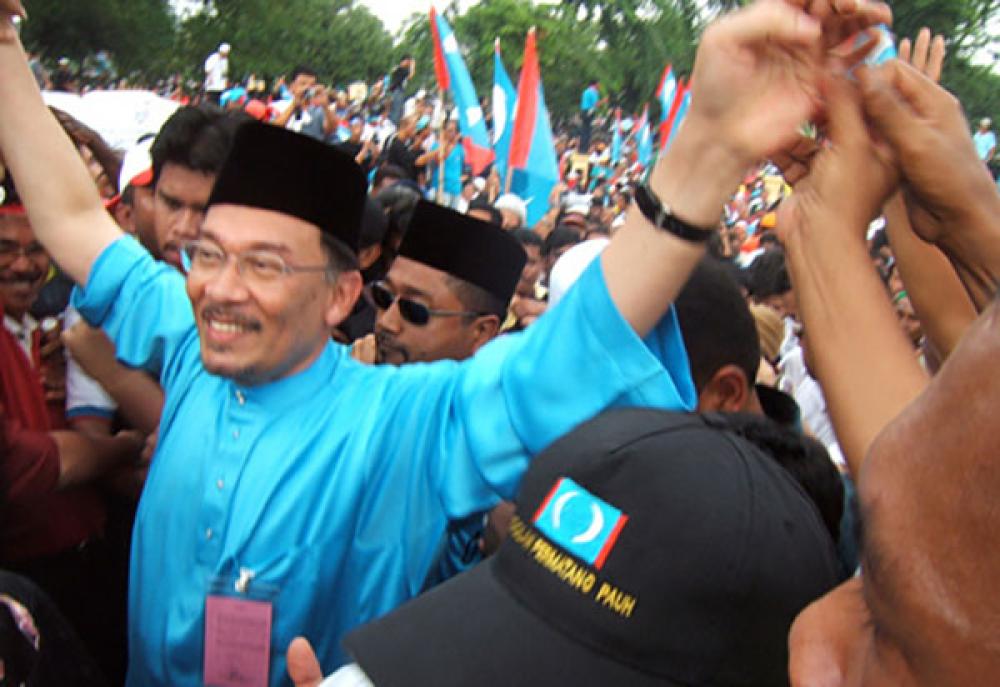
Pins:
x: 365, y: 350
x: 303, y: 667
x: 91, y: 349
x: 846, y: 183
x: 943, y: 178
x: 757, y: 74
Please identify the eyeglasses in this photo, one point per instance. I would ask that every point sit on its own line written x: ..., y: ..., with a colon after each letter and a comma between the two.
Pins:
x: 11, y: 251
x: 256, y: 266
x: 411, y: 311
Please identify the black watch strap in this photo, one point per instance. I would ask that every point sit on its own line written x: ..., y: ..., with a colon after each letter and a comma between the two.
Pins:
x: 661, y: 215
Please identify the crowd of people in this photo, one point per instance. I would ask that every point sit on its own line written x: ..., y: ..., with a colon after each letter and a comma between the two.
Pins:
x: 288, y: 395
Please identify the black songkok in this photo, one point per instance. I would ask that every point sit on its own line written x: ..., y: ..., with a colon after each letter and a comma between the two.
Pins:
x: 275, y: 169
x: 467, y: 248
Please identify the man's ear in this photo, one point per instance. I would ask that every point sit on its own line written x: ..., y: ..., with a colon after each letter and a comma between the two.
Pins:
x: 484, y: 329
x: 342, y: 296
x: 728, y: 391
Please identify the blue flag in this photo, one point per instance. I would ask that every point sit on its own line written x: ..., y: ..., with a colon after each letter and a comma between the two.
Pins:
x: 452, y: 72
x: 535, y: 169
x: 504, y: 103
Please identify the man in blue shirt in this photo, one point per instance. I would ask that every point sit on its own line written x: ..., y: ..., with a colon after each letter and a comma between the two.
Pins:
x: 295, y: 490
x: 589, y: 102
x: 447, y: 157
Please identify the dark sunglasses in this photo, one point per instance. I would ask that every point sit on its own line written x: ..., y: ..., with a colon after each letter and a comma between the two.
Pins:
x: 411, y: 311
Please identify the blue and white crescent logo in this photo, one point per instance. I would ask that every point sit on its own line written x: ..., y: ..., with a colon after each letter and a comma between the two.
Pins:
x: 579, y: 522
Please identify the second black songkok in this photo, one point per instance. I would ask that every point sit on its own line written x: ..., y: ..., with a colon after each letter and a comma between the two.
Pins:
x: 467, y: 248
x: 275, y: 169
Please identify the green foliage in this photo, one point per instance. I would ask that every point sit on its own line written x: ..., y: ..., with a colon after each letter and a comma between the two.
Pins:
x: 138, y: 33
x: 341, y: 41
x: 623, y: 43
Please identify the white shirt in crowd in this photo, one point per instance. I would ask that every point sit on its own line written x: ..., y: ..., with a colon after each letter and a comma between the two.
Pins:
x: 216, y: 72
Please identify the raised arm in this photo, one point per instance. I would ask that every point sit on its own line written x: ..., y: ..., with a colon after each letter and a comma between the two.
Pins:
x: 770, y: 52
x: 856, y: 348
x: 65, y: 211
x: 951, y: 200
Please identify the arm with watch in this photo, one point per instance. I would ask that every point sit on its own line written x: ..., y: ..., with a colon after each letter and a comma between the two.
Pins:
x: 769, y: 52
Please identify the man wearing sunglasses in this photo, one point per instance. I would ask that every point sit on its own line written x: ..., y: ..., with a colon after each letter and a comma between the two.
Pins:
x: 297, y: 491
x: 448, y: 290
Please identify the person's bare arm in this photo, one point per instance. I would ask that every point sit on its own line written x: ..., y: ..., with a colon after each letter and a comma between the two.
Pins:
x: 66, y: 213
x: 139, y: 397
x: 939, y: 299
x: 768, y: 52
x: 83, y: 458
x: 951, y: 200
x: 857, y: 350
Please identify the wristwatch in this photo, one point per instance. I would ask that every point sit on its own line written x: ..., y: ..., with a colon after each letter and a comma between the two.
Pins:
x: 664, y: 218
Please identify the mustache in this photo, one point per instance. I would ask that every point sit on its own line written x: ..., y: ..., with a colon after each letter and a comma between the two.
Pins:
x: 218, y: 312
x: 11, y: 277
x: 387, y: 342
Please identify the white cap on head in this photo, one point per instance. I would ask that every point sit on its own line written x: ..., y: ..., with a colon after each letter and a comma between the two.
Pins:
x: 224, y: 47
x: 137, y: 166
x: 513, y: 203
x: 479, y: 183
x: 985, y: 121
x: 571, y: 265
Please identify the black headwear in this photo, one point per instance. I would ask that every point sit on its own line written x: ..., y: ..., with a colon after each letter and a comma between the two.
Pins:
x: 467, y: 248
x: 275, y: 169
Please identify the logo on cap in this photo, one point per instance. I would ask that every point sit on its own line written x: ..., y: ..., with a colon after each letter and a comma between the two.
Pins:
x: 580, y: 522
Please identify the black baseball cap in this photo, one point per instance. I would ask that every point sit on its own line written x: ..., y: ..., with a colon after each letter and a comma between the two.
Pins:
x: 648, y: 549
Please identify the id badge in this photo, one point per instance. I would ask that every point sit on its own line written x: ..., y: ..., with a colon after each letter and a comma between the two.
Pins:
x: 238, y: 617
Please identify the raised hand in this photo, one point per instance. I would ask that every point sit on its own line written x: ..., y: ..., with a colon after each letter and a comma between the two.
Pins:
x: 847, y: 181
x: 945, y: 183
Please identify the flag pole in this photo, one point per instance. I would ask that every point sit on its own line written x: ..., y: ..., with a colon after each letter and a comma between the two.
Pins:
x: 440, y: 166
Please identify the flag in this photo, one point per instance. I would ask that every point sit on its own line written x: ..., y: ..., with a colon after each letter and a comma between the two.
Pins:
x: 667, y: 123
x: 504, y: 102
x: 665, y: 91
x: 616, y: 138
x: 644, y: 140
x: 452, y: 73
x: 533, y: 163
x: 681, y: 114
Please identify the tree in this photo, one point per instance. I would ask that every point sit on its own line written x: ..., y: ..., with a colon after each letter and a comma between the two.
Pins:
x: 139, y: 34
x: 338, y: 39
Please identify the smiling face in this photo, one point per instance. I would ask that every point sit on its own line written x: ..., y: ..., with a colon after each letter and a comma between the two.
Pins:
x: 24, y: 265
x: 258, y: 332
x: 179, y: 203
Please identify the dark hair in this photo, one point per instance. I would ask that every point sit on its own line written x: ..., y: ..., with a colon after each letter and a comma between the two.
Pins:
x: 302, y: 69
x: 716, y: 324
x: 527, y: 237
x: 481, y: 203
x: 475, y: 298
x: 769, y: 237
x: 769, y: 275
x: 374, y: 224
x: 388, y: 171
x: 340, y: 258
x: 560, y: 237
x: 198, y: 138
x: 803, y: 457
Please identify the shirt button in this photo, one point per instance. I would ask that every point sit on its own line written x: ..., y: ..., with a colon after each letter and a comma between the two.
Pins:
x: 236, y: 434
x: 220, y: 484
x: 240, y: 398
x: 208, y: 533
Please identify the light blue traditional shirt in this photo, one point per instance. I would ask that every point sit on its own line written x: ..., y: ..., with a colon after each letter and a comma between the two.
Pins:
x: 334, y: 486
